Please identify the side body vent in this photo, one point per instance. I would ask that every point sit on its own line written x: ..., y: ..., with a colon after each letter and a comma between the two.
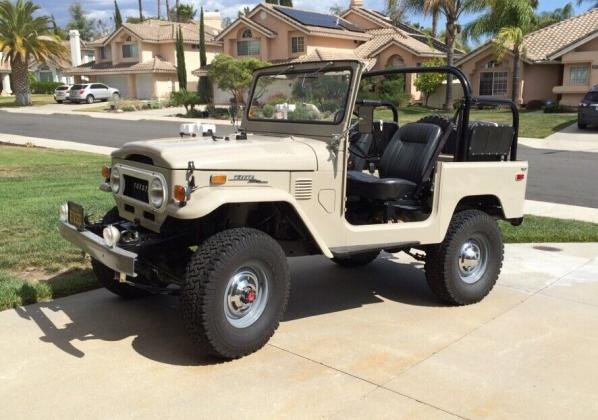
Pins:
x: 303, y: 188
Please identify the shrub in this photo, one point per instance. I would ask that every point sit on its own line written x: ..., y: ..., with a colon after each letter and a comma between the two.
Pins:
x: 129, y: 108
x: 278, y: 98
x: 268, y: 111
x: 47, y: 88
x: 185, y: 98
x: 534, y: 104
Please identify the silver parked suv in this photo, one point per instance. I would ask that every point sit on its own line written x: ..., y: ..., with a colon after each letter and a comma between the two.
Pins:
x: 91, y: 92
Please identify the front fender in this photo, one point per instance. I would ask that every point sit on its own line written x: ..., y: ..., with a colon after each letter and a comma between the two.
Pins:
x: 205, y: 200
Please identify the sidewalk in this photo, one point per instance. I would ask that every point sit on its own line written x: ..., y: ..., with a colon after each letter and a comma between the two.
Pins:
x: 164, y: 114
x: 364, y: 343
x: 570, y: 139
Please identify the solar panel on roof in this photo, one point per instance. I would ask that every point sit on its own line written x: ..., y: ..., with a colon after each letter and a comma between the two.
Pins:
x: 317, y: 19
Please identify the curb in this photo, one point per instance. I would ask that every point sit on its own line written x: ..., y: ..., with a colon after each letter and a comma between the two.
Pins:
x: 55, y: 144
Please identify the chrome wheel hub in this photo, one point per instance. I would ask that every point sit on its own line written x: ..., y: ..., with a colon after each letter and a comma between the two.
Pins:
x: 246, y: 295
x: 472, y: 260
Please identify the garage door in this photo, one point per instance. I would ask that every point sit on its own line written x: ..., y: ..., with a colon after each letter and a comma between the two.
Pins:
x: 145, y: 86
x: 118, y: 82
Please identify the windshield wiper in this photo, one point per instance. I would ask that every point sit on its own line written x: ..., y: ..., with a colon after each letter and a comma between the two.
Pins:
x: 315, y: 73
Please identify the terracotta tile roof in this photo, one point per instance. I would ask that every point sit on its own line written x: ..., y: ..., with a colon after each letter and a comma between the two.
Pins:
x: 547, y: 42
x: 382, y: 38
x: 155, y: 65
x: 326, y: 54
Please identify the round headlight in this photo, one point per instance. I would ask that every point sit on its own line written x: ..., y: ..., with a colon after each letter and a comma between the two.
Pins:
x: 157, y: 193
x: 64, y: 212
x: 111, y: 236
x: 115, y: 180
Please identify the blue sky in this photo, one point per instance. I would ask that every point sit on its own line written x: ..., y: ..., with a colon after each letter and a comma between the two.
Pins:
x: 103, y: 9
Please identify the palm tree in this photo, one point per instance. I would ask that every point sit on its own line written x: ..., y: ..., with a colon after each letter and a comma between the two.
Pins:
x: 452, y: 10
x: 395, y: 10
x: 508, y: 21
x: 24, y: 37
x: 418, y: 7
x: 140, y: 11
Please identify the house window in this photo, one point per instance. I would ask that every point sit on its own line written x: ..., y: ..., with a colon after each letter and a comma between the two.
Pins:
x: 297, y: 44
x: 395, y: 61
x: 130, y: 50
x: 493, y: 83
x: 46, y: 76
x: 103, y: 53
x: 247, y: 45
x: 579, y: 74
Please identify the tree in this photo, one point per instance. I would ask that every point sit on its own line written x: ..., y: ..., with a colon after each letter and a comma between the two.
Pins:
x: 57, y: 30
x: 234, y: 74
x: 428, y: 83
x: 244, y: 11
x: 395, y: 10
x: 118, y: 19
x: 140, y: 10
x: 509, y: 21
x: 204, y: 88
x: 336, y: 9
x: 159, y: 6
x: 23, y: 37
x: 183, y: 13
x: 550, y: 17
x: 80, y: 22
x: 452, y: 10
x: 181, y: 69
x: 288, y: 3
x: 418, y: 6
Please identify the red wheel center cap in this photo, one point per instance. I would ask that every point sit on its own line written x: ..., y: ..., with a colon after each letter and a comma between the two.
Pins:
x: 250, y: 296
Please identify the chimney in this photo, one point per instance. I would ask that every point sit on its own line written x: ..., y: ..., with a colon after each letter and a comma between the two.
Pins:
x: 356, y: 3
x: 212, y: 19
x: 75, y: 41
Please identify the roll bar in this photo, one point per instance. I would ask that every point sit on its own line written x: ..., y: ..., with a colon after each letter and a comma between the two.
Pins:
x: 466, y: 104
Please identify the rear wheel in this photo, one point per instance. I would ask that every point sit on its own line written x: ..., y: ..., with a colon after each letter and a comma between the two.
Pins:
x: 465, y: 266
x: 59, y: 102
x: 235, y: 293
x: 581, y: 125
x: 90, y: 99
x: 357, y: 260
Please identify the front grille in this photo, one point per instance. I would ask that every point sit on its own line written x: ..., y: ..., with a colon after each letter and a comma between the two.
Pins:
x: 136, y: 188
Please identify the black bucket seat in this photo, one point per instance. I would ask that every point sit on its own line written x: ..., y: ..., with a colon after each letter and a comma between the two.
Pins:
x: 406, y: 164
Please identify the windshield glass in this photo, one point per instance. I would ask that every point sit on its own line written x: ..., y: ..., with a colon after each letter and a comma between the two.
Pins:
x: 315, y: 96
x: 591, y: 96
x: 62, y: 88
x: 77, y: 87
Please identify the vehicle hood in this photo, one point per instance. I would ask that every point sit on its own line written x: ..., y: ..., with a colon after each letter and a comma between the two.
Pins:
x: 261, y: 153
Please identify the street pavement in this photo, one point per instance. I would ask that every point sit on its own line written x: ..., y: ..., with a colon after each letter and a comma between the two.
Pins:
x: 558, y: 176
x: 372, y: 342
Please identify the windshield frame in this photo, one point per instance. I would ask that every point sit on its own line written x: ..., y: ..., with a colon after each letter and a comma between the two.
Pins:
x: 324, y: 68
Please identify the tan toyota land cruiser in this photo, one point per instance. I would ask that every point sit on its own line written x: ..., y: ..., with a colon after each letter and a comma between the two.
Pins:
x: 310, y: 171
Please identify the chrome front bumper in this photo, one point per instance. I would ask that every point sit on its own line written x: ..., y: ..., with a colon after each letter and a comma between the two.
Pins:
x: 118, y: 259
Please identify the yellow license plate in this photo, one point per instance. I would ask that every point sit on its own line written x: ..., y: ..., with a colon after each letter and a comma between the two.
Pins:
x: 76, y: 215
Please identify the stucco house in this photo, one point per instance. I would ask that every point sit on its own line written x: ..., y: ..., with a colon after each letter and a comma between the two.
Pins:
x: 559, y: 63
x: 140, y: 59
x: 282, y: 34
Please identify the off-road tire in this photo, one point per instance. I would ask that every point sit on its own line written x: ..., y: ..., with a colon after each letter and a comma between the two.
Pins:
x: 209, y: 271
x: 444, y: 123
x: 90, y: 99
x: 357, y: 260
x: 106, y: 276
x: 442, y: 260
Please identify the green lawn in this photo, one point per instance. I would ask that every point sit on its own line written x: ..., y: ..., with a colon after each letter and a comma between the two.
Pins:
x: 34, y: 182
x: 535, y: 124
x: 9, y: 101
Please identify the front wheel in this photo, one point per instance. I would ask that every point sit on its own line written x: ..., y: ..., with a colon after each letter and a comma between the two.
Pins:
x: 58, y: 102
x: 235, y: 292
x: 465, y: 266
x: 90, y: 99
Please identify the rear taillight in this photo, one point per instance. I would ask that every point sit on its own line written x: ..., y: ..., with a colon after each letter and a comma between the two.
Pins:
x: 81, y: 92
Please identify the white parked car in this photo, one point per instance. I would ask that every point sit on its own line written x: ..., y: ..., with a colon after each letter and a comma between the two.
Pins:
x: 90, y: 92
x: 61, y: 93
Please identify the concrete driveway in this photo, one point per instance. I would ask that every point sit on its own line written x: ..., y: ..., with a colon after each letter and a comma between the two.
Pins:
x: 370, y: 342
x: 570, y: 138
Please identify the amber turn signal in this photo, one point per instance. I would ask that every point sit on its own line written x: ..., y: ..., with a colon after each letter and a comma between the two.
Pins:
x: 179, y: 193
x: 105, y: 172
x: 218, y: 179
